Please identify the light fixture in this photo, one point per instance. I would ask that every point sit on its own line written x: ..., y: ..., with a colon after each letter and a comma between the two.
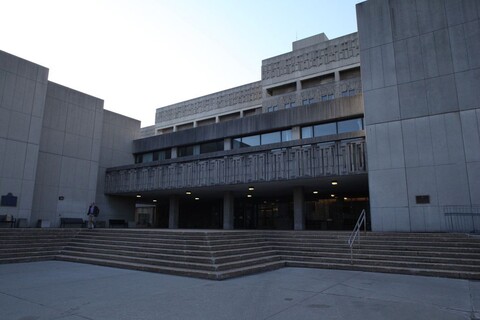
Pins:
x: 332, y: 195
x: 345, y: 198
x: 188, y: 192
x: 334, y: 182
x: 139, y: 196
x: 315, y: 192
x: 197, y: 198
x: 251, y: 188
x: 154, y: 200
x: 249, y: 195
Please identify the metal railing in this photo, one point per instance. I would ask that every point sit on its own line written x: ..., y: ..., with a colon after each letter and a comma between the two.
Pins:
x: 462, y: 218
x: 362, y: 219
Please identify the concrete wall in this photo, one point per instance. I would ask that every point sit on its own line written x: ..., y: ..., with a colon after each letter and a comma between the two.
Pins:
x: 116, y: 150
x: 69, y: 155
x: 220, y: 103
x: 420, y: 74
x: 23, y: 86
x: 307, y: 61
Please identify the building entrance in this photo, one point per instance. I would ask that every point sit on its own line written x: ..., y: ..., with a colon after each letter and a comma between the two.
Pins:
x: 335, y: 213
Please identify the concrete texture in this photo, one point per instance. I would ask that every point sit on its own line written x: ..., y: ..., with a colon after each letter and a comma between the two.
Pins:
x: 62, y: 290
x: 425, y: 119
x: 68, y: 155
x: 23, y: 87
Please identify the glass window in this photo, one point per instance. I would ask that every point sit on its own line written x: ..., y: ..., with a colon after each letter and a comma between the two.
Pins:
x: 287, y: 105
x: 236, y: 143
x: 138, y: 158
x: 270, y: 109
x: 162, y: 155
x: 211, y: 146
x: 272, y: 137
x: 250, y: 141
x: 286, y: 135
x: 350, y: 125
x: 331, y: 96
x: 147, y: 157
x: 351, y: 92
x: 345, y: 93
x: 307, y: 132
x: 305, y: 102
x: 158, y: 155
x: 325, y: 129
x: 324, y: 97
x: 185, y: 151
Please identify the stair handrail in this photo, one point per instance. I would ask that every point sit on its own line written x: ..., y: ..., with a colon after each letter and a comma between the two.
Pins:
x: 356, y: 232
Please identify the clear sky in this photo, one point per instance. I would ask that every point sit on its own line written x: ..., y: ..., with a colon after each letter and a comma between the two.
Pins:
x: 139, y: 55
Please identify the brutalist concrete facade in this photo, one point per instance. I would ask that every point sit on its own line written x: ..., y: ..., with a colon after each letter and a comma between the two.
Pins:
x: 420, y: 75
x: 316, y: 84
x: 55, y: 144
x: 385, y: 120
x: 23, y: 88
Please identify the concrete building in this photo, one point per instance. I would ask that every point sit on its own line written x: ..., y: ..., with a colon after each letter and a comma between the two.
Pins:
x: 386, y: 120
x: 420, y: 76
x: 55, y: 145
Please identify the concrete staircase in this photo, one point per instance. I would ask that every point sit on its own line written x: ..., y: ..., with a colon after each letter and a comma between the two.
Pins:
x: 27, y: 245
x: 209, y: 254
x: 226, y: 254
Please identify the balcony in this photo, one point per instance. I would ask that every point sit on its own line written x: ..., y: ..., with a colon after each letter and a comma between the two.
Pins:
x: 295, y: 161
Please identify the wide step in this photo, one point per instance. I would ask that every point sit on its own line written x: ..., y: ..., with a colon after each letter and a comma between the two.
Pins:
x: 226, y: 254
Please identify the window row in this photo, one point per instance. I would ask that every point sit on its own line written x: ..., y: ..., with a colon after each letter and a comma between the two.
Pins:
x: 330, y: 128
x: 262, y: 139
x: 318, y: 130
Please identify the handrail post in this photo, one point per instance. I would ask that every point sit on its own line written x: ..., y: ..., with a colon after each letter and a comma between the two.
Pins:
x: 357, y: 231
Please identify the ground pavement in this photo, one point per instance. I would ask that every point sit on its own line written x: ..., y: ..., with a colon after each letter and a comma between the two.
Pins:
x: 55, y: 290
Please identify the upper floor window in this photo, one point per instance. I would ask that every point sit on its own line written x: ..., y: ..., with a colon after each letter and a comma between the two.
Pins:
x: 330, y: 128
x: 350, y: 125
x: 262, y: 139
x: 153, y: 156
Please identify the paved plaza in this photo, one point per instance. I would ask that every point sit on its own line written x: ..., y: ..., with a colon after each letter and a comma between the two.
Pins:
x: 55, y: 290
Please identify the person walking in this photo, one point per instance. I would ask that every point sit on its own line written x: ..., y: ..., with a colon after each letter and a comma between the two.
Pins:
x: 92, y: 213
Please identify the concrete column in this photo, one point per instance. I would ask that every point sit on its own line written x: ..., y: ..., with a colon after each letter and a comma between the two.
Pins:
x: 217, y: 119
x: 298, y: 208
x: 299, y: 85
x: 227, y: 144
x: 337, y: 76
x: 173, y: 211
x: 228, y: 210
x: 173, y: 154
x: 296, y: 133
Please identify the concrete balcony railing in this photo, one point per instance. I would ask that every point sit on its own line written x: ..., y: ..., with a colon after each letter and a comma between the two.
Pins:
x: 289, y: 163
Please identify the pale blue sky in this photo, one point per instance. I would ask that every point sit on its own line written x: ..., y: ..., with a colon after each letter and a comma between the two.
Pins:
x: 139, y: 55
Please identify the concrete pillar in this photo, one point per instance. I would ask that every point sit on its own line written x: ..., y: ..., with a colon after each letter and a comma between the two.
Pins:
x: 173, y: 153
x: 298, y: 208
x: 227, y: 144
x: 337, y: 76
x: 296, y: 133
x: 173, y: 211
x: 228, y: 210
